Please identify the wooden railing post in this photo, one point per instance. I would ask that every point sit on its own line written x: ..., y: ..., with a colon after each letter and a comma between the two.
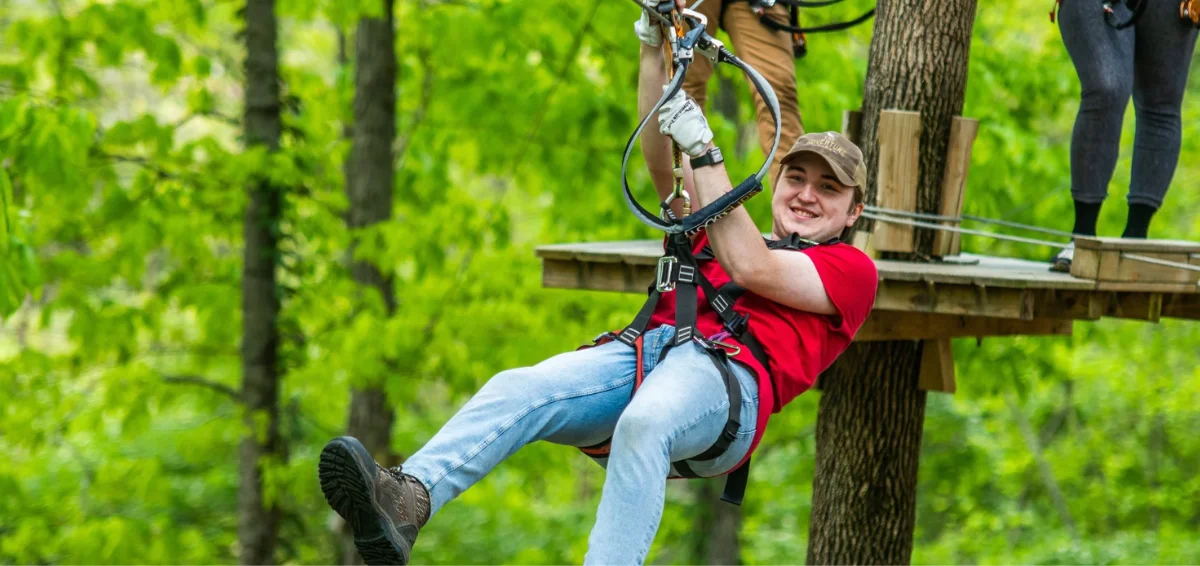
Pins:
x: 899, y: 151
x: 958, y: 162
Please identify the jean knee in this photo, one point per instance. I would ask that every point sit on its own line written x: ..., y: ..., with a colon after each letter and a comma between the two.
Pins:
x: 516, y: 383
x: 642, y: 425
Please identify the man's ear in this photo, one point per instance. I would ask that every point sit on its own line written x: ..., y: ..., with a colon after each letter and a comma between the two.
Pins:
x: 855, y: 211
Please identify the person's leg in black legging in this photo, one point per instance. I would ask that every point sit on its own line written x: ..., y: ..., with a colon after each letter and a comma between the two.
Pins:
x: 1162, y: 55
x: 1103, y: 59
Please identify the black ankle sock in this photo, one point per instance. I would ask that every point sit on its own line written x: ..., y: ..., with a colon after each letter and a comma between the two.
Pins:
x: 1086, y: 215
x: 1138, y: 224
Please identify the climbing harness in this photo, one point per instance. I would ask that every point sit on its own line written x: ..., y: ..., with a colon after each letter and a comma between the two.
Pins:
x: 682, y: 275
x: 1189, y: 11
x: 678, y: 270
x: 799, y: 40
x: 1136, y: 8
x: 683, y: 45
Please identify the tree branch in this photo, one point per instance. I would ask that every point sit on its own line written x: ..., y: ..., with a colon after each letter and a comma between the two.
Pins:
x: 1047, y: 473
x: 560, y: 76
x: 200, y: 381
x: 418, y: 114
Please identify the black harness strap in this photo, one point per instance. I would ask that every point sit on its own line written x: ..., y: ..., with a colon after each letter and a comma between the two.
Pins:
x: 799, y: 41
x: 1137, y: 7
x: 679, y: 271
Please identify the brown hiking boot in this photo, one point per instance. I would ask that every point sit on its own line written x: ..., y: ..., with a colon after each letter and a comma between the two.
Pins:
x: 385, y: 507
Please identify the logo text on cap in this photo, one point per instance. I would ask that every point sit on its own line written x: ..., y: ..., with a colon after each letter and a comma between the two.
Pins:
x: 830, y: 144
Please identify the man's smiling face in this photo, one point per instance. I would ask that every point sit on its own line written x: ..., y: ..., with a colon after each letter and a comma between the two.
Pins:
x: 810, y: 201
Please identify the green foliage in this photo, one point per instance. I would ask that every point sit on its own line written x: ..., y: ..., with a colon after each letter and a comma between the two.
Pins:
x: 123, y: 182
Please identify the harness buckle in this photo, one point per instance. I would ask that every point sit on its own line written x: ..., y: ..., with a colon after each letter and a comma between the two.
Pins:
x: 738, y: 325
x: 663, y: 279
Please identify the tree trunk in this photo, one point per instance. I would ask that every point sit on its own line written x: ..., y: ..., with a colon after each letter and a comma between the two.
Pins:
x: 871, y: 412
x: 868, y: 447
x: 258, y: 520
x: 918, y: 62
x: 717, y: 525
x: 369, y: 177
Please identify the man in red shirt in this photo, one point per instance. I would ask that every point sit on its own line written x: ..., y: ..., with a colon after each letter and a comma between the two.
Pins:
x: 668, y: 407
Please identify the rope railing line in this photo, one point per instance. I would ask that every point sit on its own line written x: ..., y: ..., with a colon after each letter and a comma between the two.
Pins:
x: 898, y: 218
x: 960, y: 219
x: 932, y: 226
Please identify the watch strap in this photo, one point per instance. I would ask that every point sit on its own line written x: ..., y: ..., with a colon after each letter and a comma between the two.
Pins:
x: 710, y: 157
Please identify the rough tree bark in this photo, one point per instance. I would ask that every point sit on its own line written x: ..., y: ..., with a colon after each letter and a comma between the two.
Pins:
x: 258, y: 520
x: 369, y: 190
x: 871, y: 411
x: 717, y: 525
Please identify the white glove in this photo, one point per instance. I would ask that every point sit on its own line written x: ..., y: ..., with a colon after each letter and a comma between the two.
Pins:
x: 649, y: 32
x: 681, y: 119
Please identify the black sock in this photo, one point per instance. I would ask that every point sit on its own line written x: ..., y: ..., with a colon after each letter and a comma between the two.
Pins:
x: 1086, y: 215
x: 1138, y: 224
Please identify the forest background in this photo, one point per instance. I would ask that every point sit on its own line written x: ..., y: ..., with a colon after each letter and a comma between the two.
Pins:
x: 126, y: 174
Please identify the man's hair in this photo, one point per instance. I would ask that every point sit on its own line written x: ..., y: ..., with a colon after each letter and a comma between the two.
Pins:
x: 847, y: 235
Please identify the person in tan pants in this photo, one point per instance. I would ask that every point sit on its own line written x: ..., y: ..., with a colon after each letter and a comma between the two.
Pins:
x: 766, y: 50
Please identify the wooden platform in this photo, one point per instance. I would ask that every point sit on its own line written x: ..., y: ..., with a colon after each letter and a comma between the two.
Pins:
x: 983, y: 296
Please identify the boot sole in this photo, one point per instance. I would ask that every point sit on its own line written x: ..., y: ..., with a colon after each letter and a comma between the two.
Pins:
x: 347, y: 473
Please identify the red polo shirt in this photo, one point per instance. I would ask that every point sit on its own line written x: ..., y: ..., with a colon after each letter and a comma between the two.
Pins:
x: 799, y: 344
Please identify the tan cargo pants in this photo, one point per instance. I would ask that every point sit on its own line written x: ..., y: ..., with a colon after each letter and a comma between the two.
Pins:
x: 770, y: 53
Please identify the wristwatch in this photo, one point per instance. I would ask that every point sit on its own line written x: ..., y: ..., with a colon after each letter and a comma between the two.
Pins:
x: 710, y: 157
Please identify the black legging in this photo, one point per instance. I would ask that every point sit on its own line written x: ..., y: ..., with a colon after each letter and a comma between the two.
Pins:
x: 1149, y: 60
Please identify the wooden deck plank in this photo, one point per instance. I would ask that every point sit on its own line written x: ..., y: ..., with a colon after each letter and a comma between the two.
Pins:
x: 989, y: 271
x: 1137, y: 245
x: 890, y: 325
x: 927, y: 301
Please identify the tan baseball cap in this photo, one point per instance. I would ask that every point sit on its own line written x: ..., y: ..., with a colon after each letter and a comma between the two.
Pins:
x: 842, y: 155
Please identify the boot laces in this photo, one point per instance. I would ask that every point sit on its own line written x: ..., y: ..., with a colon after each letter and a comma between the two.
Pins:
x: 419, y: 507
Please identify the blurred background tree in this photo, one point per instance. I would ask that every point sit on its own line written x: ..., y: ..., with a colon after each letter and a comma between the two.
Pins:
x: 125, y: 169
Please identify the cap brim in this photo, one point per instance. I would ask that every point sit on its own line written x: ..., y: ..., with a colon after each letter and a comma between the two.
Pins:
x: 844, y: 177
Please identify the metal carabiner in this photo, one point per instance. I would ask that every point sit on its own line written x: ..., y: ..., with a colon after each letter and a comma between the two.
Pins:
x: 687, y: 205
x: 730, y: 350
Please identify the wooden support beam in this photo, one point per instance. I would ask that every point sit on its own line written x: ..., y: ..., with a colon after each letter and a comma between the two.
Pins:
x: 891, y: 325
x: 606, y: 276
x: 1075, y: 305
x: 937, y: 366
x: 976, y: 300
x: 899, y: 149
x: 958, y: 161
x: 1137, y: 306
x: 1182, y: 305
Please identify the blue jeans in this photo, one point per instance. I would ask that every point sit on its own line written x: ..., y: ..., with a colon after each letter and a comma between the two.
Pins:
x: 581, y: 398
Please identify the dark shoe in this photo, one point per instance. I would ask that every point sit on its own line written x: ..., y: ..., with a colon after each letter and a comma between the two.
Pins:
x: 384, y: 507
x: 1062, y: 261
